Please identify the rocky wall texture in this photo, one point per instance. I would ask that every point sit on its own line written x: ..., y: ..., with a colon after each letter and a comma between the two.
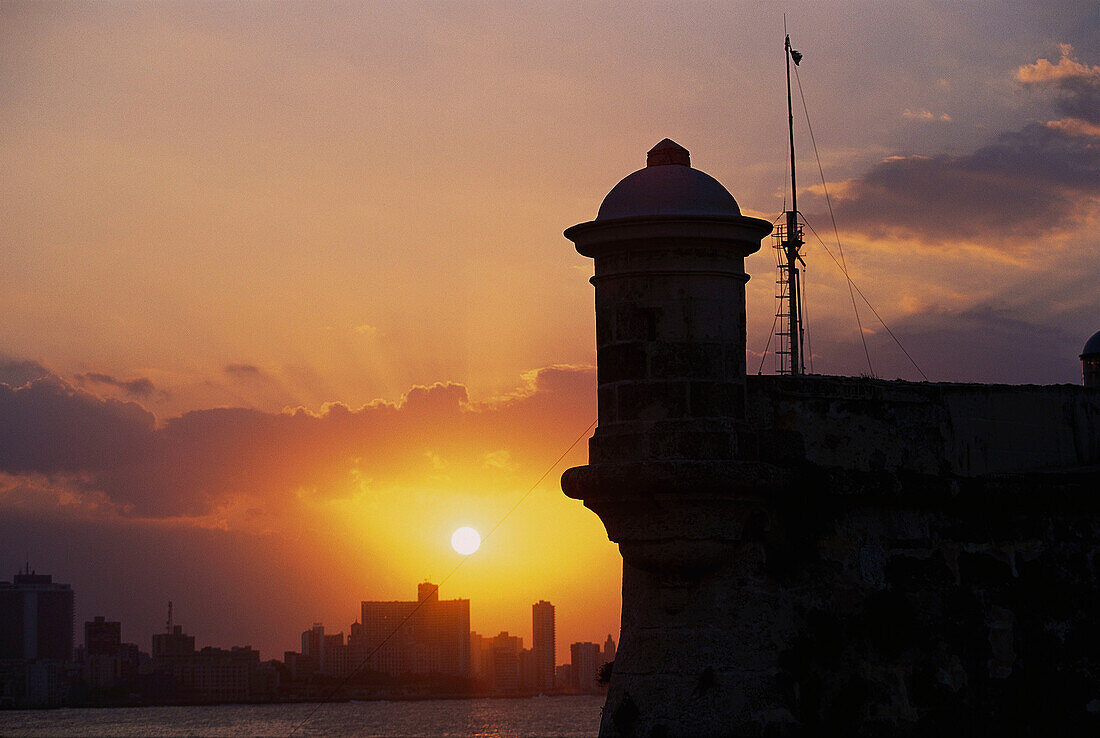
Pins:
x: 885, y: 559
x: 855, y: 614
x: 965, y: 430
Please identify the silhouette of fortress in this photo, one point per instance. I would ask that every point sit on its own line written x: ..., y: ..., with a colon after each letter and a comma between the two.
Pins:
x: 822, y: 555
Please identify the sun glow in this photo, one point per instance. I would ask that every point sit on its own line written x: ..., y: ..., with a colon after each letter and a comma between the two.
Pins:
x: 466, y: 540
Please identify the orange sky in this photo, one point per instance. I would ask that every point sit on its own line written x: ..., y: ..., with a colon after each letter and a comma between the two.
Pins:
x: 289, y: 286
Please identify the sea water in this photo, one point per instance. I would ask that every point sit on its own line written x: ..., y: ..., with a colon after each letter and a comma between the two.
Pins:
x: 535, y: 717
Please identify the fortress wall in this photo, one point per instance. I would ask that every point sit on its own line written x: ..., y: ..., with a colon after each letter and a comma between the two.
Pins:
x: 898, y: 620
x: 864, y: 615
x: 822, y: 556
x: 963, y: 430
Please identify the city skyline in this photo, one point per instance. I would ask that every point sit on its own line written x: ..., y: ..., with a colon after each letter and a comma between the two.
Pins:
x: 386, y: 625
x: 286, y: 299
x: 424, y: 644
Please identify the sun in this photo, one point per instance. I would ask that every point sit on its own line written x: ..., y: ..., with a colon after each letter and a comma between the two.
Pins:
x: 466, y: 540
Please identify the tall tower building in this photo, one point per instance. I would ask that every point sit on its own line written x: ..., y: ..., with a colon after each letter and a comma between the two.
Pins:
x: 608, y: 653
x: 543, y: 645
x: 313, y: 646
x: 36, y: 618
x: 672, y: 451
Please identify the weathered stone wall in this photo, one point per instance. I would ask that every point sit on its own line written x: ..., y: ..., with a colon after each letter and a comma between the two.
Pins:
x: 956, y: 429
x: 864, y: 575
x: 966, y: 617
x: 846, y: 612
x: 936, y: 553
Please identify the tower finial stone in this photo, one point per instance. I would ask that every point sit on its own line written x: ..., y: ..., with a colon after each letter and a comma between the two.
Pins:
x: 667, y: 152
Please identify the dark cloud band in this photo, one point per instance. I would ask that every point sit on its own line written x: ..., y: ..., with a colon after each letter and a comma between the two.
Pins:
x: 195, y: 462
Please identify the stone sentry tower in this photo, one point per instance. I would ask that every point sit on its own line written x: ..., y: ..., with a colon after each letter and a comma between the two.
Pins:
x: 672, y: 450
x: 820, y: 555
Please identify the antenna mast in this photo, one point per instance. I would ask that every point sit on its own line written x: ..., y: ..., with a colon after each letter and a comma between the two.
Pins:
x: 168, y: 625
x: 790, y: 243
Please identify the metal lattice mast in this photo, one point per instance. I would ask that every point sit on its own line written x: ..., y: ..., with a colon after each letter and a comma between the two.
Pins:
x: 792, y: 242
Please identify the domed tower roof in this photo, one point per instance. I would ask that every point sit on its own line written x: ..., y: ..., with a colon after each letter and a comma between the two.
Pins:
x: 668, y: 186
x: 1092, y: 346
x: 1090, y: 362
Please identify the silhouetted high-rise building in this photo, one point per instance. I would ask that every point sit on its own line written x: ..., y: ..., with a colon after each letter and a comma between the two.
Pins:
x: 313, y: 648
x: 479, y: 657
x: 107, y: 661
x: 36, y: 618
x: 526, y: 671
x: 102, y: 637
x: 432, y: 635
x: 502, y: 664
x: 542, y: 644
x: 506, y: 651
x: 335, y: 656
x: 585, y: 660
x: 427, y: 591
x: 563, y: 676
x: 207, y: 675
x: 220, y: 675
x: 608, y: 649
x: 174, y: 644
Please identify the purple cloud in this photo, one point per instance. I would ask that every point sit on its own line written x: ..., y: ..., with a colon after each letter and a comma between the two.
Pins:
x: 141, y: 387
x: 1040, y: 180
x: 17, y: 372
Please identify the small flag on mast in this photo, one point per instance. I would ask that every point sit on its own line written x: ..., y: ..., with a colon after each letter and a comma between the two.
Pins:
x: 796, y: 55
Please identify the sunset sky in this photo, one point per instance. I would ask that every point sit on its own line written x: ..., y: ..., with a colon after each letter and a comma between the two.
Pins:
x: 284, y: 296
